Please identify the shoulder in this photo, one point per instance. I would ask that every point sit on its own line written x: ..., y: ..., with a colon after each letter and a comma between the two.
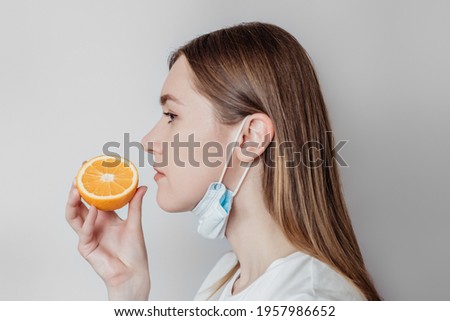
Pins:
x: 222, y: 267
x: 307, y: 278
x: 299, y: 277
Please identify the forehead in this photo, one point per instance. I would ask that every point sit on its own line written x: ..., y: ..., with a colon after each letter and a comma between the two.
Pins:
x: 179, y: 82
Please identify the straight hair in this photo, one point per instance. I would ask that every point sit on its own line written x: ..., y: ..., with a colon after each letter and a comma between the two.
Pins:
x: 261, y: 68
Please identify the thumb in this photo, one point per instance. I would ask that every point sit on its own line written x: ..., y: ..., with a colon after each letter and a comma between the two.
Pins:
x: 135, y: 207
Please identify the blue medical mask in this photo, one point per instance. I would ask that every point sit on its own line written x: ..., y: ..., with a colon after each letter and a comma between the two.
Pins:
x: 214, y: 208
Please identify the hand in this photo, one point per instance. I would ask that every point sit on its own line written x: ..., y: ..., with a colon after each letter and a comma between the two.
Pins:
x: 114, y: 247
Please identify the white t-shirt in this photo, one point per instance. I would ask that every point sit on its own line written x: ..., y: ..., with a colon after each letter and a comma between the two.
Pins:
x: 297, y: 276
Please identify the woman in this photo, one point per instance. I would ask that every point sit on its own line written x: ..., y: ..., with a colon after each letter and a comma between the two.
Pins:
x: 288, y: 227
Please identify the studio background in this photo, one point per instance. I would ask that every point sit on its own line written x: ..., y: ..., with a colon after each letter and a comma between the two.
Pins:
x: 77, y: 74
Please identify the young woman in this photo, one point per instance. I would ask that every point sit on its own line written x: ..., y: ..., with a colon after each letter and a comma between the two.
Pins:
x: 251, y: 85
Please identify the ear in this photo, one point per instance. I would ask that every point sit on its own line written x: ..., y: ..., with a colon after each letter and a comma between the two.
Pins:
x: 256, y: 135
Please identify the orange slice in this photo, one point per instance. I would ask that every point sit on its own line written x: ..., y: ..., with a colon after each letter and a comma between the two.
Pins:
x: 107, y: 182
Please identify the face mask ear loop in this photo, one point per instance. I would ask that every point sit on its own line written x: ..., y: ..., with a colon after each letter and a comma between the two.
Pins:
x: 231, y: 152
x: 242, y: 179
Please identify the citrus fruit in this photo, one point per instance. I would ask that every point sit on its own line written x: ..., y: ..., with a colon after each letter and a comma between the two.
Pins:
x: 107, y: 182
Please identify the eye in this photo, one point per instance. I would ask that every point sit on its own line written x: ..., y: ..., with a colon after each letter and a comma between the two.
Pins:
x: 171, y: 116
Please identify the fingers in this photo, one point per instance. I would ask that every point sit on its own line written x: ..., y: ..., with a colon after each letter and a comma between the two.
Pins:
x: 87, y: 242
x: 135, y: 207
x: 76, y: 211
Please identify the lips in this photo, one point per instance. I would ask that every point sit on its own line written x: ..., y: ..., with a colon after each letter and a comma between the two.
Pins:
x: 158, y: 171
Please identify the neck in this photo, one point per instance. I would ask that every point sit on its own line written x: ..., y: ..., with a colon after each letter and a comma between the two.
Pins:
x: 255, y: 237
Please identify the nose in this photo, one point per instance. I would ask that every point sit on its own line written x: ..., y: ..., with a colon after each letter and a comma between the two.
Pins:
x: 151, y: 142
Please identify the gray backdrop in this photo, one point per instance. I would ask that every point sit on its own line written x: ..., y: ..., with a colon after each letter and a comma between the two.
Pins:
x: 76, y: 74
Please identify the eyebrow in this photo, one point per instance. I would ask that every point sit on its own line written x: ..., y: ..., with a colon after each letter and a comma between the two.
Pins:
x: 164, y: 98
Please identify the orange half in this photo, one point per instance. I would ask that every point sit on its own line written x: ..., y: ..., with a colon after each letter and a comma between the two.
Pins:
x: 107, y: 182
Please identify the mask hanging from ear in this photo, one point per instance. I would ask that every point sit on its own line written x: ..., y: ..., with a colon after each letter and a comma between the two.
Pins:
x: 214, y: 208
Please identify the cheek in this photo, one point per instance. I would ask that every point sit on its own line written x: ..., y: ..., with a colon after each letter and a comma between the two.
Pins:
x: 183, y: 188
x: 189, y: 176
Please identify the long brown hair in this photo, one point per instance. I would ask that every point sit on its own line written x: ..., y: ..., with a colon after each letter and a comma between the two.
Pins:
x: 261, y: 68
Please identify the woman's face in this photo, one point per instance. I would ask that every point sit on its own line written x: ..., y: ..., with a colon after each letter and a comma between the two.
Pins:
x: 178, y: 142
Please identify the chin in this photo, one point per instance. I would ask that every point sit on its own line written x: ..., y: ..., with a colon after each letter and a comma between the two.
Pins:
x: 170, y: 205
x: 165, y: 206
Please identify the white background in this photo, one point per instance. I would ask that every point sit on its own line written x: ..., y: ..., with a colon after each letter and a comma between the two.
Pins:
x: 77, y: 74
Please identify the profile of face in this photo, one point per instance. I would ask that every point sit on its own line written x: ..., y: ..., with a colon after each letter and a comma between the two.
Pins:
x: 187, y: 171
